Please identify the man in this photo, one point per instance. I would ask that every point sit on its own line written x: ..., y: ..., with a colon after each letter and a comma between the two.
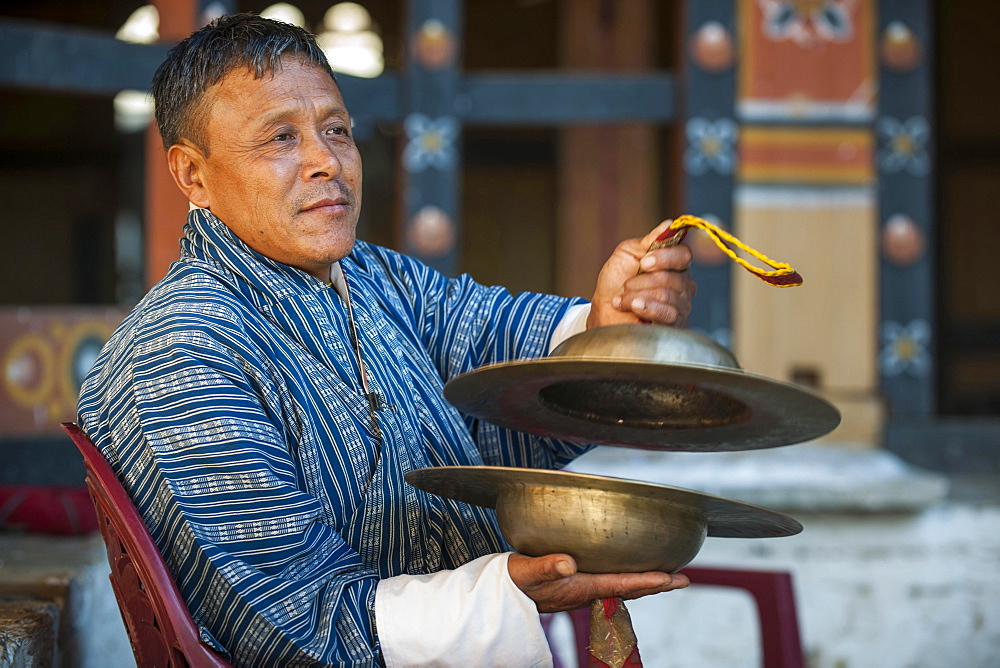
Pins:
x: 263, y: 401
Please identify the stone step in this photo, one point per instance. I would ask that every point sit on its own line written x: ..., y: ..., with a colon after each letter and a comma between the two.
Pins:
x: 68, y: 575
x: 28, y: 632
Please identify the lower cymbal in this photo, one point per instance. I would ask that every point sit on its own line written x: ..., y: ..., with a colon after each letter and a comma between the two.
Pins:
x: 609, y: 525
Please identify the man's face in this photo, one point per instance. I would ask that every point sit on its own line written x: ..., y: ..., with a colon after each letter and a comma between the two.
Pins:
x: 282, y: 171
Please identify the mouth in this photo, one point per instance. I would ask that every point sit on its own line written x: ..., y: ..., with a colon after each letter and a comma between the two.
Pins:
x: 327, y: 206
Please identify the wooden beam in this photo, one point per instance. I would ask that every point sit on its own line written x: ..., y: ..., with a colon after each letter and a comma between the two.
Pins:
x: 557, y: 97
x: 68, y: 59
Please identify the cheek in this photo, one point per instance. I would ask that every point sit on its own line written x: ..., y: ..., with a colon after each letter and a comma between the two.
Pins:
x: 352, y: 167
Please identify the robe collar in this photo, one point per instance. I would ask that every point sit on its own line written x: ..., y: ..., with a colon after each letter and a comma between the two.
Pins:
x: 207, y: 239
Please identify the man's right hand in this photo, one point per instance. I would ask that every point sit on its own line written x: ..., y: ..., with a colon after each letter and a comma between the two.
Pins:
x: 554, y: 584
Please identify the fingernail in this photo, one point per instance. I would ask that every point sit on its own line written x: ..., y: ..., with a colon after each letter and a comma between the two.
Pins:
x: 647, y: 262
x: 564, y: 569
x: 616, y: 301
x: 639, y: 304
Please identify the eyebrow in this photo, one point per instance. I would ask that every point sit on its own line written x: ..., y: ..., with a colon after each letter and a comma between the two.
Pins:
x: 283, y: 114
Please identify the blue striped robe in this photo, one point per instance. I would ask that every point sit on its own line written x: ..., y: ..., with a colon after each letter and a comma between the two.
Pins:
x: 229, y: 403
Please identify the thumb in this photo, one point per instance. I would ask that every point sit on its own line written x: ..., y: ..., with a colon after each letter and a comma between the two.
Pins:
x: 555, y: 567
x: 654, y: 234
x: 630, y: 251
x: 529, y: 572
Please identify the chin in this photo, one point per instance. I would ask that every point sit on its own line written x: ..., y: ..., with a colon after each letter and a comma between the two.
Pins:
x: 337, y: 251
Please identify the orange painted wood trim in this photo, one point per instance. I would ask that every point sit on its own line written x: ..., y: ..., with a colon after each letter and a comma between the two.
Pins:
x: 166, y: 207
x: 166, y: 210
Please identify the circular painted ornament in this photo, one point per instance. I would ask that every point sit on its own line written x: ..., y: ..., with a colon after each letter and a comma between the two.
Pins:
x: 431, y: 233
x: 433, y: 45
x: 899, y: 47
x: 712, y: 47
x: 902, y: 241
x: 28, y: 370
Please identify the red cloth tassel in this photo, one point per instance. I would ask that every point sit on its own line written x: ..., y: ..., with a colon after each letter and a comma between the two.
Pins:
x: 612, y: 639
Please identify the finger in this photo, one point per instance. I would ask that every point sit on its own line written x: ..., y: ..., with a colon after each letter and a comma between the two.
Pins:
x: 677, y: 581
x: 633, y: 585
x: 667, y: 287
x: 675, y: 258
x: 679, y: 282
x: 660, y: 306
x: 653, y: 306
x: 657, y: 312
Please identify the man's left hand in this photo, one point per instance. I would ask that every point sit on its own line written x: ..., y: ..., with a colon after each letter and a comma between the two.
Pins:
x: 661, y: 293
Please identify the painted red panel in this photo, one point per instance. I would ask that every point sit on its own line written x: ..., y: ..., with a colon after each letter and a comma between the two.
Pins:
x: 45, y: 353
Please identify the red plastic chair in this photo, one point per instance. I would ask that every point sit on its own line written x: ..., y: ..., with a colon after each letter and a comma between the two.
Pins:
x: 159, y: 625
x: 775, y: 601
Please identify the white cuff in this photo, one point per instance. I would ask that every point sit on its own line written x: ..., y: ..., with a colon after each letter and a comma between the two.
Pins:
x: 574, y: 322
x: 472, y: 616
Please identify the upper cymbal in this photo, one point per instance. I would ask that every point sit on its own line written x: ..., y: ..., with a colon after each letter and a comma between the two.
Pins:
x: 643, y: 386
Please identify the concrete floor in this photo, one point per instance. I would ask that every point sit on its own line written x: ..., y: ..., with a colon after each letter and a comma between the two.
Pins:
x: 875, y: 588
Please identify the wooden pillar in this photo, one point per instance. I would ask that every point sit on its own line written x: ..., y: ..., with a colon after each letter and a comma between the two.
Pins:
x: 166, y: 207
x: 608, y: 174
x: 908, y: 268
x: 432, y: 156
x: 707, y: 140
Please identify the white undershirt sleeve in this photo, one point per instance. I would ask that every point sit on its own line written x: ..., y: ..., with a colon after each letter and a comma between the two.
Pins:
x: 471, y: 616
x: 574, y: 322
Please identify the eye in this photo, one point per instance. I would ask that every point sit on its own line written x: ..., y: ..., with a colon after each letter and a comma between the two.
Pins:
x: 338, y: 131
x: 283, y: 137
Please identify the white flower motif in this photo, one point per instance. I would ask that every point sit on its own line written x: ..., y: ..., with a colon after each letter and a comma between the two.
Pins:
x: 807, y: 23
x: 904, y: 348
x: 431, y: 142
x: 711, y: 145
x: 904, y: 145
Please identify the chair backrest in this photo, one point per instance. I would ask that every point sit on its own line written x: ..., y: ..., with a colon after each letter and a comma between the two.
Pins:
x: 159, y: 625
x: 774, y: 597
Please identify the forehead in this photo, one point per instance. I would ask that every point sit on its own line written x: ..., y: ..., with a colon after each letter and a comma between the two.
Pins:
x: 295, y: 85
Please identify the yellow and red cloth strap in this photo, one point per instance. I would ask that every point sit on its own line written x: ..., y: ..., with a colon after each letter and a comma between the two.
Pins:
x: 781, y: 275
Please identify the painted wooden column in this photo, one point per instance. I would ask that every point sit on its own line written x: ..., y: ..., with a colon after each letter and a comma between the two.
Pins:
x: 431, y: 156
x: 607, y: 173
x: 709, y: 158
x: 907, y: 330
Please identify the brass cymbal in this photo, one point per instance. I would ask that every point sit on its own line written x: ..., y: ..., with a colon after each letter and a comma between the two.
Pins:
x: 609, y: 525
x: 643, y: 386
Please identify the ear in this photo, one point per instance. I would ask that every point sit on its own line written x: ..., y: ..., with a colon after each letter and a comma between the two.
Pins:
x: 187, y: 165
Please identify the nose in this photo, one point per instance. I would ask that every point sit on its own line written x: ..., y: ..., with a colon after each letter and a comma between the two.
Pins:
x: 319, y: 160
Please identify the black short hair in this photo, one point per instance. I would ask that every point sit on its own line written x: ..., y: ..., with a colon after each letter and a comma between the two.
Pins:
x: 209, y: 54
